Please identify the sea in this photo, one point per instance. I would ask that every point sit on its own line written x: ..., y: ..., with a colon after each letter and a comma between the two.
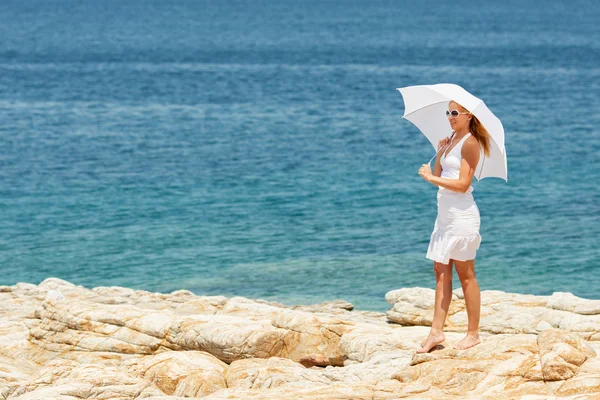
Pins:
x: 257, y: 148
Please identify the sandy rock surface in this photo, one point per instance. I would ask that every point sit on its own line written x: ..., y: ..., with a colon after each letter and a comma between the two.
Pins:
x: 61, y: 341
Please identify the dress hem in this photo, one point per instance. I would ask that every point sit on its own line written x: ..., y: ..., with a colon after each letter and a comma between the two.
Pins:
x: 441, y: 247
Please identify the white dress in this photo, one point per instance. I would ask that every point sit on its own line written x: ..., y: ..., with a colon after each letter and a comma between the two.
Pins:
x: 456, y: 230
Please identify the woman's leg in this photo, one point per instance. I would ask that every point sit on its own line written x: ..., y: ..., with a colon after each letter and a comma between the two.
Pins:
x: 466, y: 274
x: 443, y: 296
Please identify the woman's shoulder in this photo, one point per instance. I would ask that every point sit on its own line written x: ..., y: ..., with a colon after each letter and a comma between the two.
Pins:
x: 471, y: 142
x: 471, y: 145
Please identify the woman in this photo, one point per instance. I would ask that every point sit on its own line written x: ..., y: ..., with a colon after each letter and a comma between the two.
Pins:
x: 455, y: 238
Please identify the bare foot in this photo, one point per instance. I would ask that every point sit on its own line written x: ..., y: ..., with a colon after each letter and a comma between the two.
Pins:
x: 468, y: 341
x: 432, y: 340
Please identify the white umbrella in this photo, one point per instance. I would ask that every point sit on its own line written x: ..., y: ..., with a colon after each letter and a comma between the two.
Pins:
x: 426, y: 105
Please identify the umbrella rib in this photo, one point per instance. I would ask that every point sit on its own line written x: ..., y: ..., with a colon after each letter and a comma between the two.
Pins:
x: 419, y: 109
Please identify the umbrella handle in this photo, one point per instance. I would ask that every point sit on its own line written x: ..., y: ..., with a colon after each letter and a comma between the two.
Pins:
x: 429, y: 162
x: 443, y: 148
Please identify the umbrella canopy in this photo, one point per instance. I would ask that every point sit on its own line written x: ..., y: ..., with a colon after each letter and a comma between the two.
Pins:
x: 426, y: 105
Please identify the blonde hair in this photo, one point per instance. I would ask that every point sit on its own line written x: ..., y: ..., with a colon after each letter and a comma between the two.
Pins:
x: 478, y: 130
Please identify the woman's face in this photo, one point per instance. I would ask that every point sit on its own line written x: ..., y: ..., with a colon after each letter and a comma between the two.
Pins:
x: 461, y: 122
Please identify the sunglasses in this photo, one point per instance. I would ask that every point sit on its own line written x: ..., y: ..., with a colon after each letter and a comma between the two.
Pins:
x: 455, y: 113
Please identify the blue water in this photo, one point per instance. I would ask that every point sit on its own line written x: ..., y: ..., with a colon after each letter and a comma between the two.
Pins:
x: 257, y: 148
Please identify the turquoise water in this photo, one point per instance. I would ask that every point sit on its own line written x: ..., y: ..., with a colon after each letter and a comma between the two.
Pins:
x: 259, y: 150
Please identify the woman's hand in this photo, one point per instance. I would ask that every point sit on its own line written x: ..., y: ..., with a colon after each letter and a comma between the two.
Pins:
x: 443, y: 143
x: 425, y: 172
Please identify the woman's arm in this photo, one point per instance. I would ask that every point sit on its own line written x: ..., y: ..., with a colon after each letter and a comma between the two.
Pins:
x: 437, y: 166
x: 470, y: 158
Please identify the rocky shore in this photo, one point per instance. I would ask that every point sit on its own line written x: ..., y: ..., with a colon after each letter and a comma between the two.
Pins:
x: 61, y: 341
